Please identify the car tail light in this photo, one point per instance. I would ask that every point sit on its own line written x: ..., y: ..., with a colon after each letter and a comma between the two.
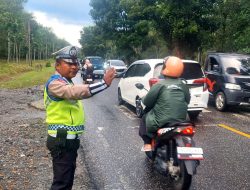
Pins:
x: 188, y: 131
x: 153, y: 81
x: 201, y: 81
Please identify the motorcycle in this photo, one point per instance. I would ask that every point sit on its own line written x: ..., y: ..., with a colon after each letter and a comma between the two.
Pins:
x: 88, y: 77
x: 174, y: 153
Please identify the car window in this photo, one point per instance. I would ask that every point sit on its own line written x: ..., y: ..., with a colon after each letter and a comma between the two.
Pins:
x: 96, y: 61
x: 130, y: 72
x: 142, y: 69
x: 157, y: 71
x: 236, y: 65
x: 191, y: 71
x: 213, y: 65
x: 117, y: 63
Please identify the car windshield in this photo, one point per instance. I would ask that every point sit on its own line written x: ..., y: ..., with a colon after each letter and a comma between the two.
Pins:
x: 117, y: 63
x: 96, y: 61
x: 236, y: 65
x: 191, y: 71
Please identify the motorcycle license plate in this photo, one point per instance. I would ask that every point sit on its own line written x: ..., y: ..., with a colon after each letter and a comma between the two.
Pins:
x: 190, y: 153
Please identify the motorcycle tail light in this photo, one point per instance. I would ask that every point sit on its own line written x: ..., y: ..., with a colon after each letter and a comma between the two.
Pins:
x: 153, y: 81
x: 201, y: 81
x: 188, y: 131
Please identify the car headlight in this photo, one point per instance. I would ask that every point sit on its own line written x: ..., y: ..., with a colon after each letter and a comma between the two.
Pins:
x: 232, y: 86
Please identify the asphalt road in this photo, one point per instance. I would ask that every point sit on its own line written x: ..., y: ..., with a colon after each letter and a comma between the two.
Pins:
x: 114, y: 161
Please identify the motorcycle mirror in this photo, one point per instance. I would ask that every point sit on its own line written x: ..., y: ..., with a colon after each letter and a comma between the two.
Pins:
x: 184, y: 80
x: 139, y: 86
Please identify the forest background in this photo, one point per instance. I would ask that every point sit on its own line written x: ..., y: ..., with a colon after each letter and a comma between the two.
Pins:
x: 132, y: 29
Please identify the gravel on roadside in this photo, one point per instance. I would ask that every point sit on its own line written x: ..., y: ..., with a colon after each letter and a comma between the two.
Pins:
x: 25, y: 162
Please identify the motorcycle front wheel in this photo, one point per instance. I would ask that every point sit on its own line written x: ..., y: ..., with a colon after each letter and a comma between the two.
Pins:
x: 183, y: 180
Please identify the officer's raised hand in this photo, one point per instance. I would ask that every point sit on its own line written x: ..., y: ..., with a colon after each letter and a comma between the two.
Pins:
x: 109, y: 76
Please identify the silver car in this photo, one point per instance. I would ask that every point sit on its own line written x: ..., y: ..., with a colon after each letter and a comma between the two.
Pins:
x: 119, y: 66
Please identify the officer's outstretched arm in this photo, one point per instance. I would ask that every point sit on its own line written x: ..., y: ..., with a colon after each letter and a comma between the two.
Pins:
x: 105, y: 83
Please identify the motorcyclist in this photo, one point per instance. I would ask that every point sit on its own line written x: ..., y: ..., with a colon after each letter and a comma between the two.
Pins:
x: 87, y: 69
x: 167, y: 101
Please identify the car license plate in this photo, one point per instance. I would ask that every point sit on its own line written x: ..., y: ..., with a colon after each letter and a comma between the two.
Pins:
x: 190, y: 153
x: 89, y: 79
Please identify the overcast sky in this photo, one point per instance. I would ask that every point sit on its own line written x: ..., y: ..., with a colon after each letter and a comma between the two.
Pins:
x: 65, y: 17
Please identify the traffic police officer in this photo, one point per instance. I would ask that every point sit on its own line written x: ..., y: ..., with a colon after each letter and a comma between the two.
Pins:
x: 65, y: 114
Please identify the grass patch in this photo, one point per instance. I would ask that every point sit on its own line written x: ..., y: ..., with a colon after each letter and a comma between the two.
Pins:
x: 21, y: 75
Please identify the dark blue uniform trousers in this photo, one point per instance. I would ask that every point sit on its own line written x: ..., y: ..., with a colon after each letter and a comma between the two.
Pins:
x: 64, y: 162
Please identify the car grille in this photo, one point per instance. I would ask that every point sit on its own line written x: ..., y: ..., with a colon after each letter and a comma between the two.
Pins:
x: 245, y: 86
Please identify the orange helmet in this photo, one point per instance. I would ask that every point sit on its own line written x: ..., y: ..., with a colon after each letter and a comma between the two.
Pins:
x: 172, y: 67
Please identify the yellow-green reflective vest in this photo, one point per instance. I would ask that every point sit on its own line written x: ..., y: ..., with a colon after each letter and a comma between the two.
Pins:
x: 62, y: 113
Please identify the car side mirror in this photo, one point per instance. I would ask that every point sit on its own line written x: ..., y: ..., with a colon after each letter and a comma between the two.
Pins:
x: 216, y: 68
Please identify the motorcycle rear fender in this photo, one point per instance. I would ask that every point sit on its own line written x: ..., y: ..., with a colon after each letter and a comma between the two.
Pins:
x: 190, y: 165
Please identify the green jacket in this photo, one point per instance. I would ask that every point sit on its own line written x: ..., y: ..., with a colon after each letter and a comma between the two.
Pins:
x: 168, y: 102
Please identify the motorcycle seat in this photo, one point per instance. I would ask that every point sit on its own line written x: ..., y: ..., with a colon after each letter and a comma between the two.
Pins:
x: 185, y: 123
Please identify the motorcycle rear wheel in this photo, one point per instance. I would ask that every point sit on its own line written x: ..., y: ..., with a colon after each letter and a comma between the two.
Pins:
x: 183, y: 181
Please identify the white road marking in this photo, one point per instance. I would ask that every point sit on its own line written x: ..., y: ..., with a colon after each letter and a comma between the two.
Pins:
x: 136, y: 127
x: 245, y: 116
x: 209, y: 125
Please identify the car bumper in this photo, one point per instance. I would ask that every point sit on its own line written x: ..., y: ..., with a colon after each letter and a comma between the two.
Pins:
x: 98, y: 73
x: 237, y: 97
x: 198, y: 101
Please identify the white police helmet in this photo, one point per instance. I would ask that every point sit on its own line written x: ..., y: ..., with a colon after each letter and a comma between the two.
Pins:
x: 68, y: 54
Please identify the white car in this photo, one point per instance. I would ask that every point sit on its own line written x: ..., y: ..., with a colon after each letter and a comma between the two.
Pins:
x: 148, y: 72
x: 119, y: 66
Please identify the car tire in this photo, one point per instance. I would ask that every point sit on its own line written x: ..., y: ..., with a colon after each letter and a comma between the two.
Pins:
x: 120, y: 100
x: 138, y: 108
x: 220, y: 101
x: 193, y: 115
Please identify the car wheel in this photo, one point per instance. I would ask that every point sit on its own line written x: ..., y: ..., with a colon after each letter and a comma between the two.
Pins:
x: 120, y: 100
x: 220, y: 101
x: 138, y: 108
x: 193, y: 115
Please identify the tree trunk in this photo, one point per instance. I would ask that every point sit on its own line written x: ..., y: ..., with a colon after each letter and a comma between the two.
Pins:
x: 29, y: 45
x: 17, y: 61
x: 34, y: 56
x: 46, y: 52
x: 19, y: 52
x: 8, y: 59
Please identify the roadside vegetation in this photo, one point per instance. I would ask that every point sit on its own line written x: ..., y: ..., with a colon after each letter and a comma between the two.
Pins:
x: 22, y: 75
x: 132, y: 30
x: 123, y: 29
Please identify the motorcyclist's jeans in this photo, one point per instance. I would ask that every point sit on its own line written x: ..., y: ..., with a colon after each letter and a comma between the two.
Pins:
x: 143, y: 131
x: 64, y: 156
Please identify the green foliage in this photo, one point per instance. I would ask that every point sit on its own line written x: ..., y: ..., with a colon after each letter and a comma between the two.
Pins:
x: 134, y: 29
x: 18, y: 29
x: 48, y: 64
x: 92, y: 41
